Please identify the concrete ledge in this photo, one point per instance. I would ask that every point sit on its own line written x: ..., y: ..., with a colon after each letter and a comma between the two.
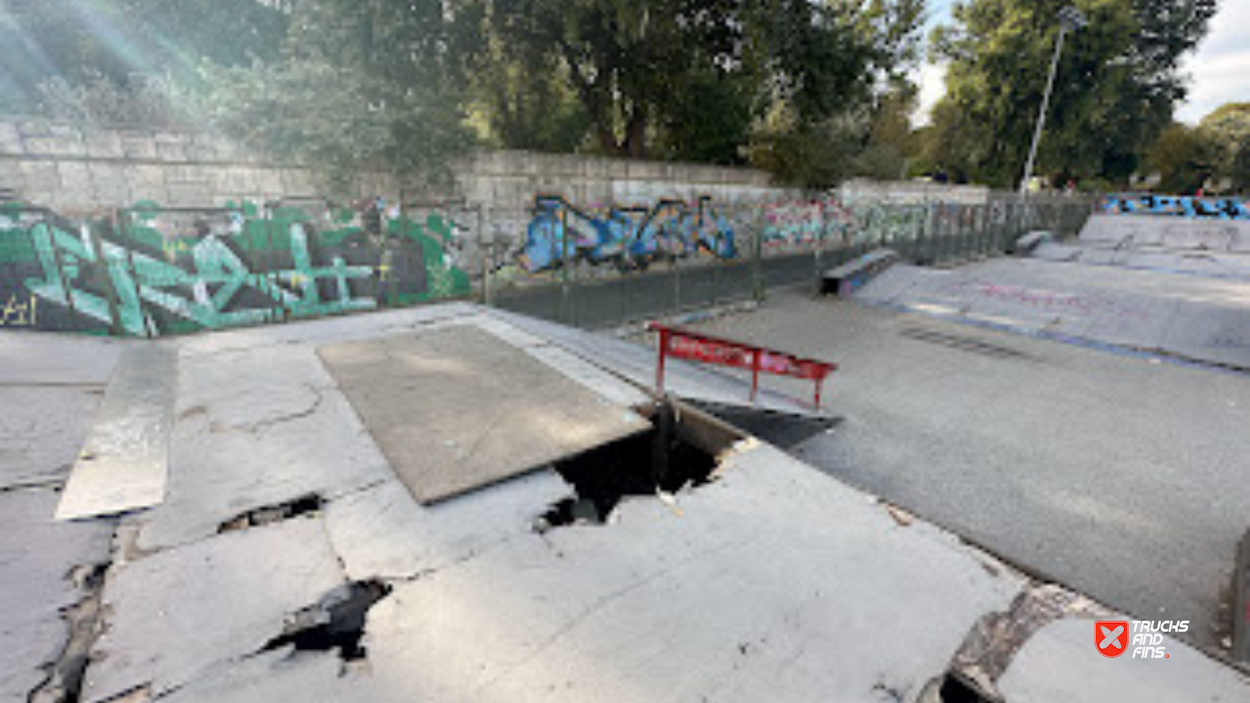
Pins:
x: 855, y: 274
x: 1032, y: 240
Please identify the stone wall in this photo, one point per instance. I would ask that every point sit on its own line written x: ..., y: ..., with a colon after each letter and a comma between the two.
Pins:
x: 911, y: 193
x: 78, y: 171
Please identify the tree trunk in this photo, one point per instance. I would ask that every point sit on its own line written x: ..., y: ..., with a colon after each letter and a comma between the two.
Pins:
x: 635, y: 145
x: 607, y: 140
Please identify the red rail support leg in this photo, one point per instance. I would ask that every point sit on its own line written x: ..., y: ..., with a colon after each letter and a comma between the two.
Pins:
x: 819, y: 382
x: 659, y: 364
x: 755, y: 374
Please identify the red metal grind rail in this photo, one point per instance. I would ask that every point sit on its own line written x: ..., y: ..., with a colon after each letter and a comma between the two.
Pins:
x: 686, y: 344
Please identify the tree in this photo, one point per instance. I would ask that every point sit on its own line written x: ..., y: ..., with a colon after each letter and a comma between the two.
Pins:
x: 1184, y: 157
x: 1228, y: 129
x: 362, y: 84
x: 1117, y: 83
x: 86, y: 50
x: 688, y: 78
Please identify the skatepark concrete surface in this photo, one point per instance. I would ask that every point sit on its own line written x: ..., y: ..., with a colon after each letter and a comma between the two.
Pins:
x: 1120, y: 476
x: 288, y: 559
x: 1186, y: 317
x: 1164, y: 232
x: 1166, y: 286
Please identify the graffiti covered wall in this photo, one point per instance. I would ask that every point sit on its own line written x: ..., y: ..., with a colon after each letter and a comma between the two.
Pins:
x: 149, y: 272
x: 1176, y: 206
x: 627, y: 238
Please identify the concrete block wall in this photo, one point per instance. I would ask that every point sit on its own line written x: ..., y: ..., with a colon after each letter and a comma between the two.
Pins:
x: 911, y: 193
x: 78, y: 171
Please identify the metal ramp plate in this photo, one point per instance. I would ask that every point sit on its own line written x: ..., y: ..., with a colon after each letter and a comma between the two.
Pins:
x: 459, y: 408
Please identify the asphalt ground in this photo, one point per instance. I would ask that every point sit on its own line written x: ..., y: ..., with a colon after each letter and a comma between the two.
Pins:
x: 1120, y: 476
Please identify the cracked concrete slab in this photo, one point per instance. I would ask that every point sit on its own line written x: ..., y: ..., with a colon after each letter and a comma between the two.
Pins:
x: 36, y: 557
x: 668, y: 606
x: 256, y: 428
x: 383, y: 532
x: 171, y: 616
x: 457, y: 408
x: 1060, y: 663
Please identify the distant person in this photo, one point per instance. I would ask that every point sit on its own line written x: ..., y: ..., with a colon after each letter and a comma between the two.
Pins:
x: 371, y: 218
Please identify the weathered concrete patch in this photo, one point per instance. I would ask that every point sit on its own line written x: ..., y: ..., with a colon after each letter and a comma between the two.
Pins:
x: 39, y: 358
x: 175, y: 614
x: 257, y: 428
x: 457, y: 408
x: 324, y: 330
x: 41, y: 430
x: 589, y: 375
x: 383, y: 532
x: 36, y: 557
x: 1060, y: 663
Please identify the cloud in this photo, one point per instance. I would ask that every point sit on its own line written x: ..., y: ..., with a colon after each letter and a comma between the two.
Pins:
x: 1220, y: 69
x: 932, y: 81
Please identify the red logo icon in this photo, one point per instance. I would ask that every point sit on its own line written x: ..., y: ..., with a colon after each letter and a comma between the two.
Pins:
x: 1111, y: 637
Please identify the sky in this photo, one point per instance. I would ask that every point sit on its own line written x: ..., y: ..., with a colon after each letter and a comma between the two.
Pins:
x: 1219, y: 71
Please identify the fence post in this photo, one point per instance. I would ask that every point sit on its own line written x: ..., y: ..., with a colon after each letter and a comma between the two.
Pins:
x: 757, y: 283
x: 564, y: 267
x: 485, y: 255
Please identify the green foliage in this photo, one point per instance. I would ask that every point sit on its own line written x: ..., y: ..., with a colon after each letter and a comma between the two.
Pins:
x: 1228, y: 128
x: 151, y: 101
x: 362, y: 84
x: 81, y: 55
x: 519, y: 98
x: 709, y: 122
x: 813, y: 90
x: 1184, y: 158
x: 1114, y: 93
x: 687, y: 79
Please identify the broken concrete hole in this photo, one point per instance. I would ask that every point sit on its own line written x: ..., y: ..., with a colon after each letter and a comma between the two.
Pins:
x: 782, y: 430
x: 956, y: 689
x: 304, y: 505
x: 681, y: 451
x: 336, y: 622
x: 65, y: 675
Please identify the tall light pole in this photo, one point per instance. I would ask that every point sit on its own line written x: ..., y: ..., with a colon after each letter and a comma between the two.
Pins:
x: 1070, y: 20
